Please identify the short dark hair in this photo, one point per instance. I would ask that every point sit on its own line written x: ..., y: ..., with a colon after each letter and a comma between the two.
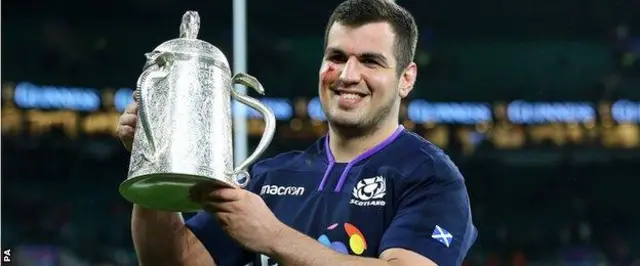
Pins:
x: 356, y: 13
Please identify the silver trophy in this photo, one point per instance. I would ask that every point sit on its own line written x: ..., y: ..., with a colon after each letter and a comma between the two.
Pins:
x: 184, y: 130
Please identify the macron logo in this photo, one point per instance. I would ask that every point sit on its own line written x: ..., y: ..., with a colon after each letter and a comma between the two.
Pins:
x: 281, y: 190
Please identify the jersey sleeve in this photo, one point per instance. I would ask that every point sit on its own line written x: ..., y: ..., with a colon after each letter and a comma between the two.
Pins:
x: 224, y: 250
x: 433, y: 215
x: 221, y: 247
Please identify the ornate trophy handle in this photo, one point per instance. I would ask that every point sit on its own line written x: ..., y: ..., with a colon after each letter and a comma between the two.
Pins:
x: 163, y: 61
x: 240, y: 173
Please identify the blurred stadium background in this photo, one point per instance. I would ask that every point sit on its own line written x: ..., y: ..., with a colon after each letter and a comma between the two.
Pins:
x: 537, y: 101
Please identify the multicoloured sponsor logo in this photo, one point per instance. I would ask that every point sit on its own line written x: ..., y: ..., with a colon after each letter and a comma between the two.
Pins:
x: 356, y: 241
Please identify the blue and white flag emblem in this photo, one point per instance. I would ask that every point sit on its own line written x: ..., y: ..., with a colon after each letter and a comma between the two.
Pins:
x: 442, y: 236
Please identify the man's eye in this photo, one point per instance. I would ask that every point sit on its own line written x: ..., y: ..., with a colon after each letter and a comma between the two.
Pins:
x: 336, y: 58
x: 369, y: 62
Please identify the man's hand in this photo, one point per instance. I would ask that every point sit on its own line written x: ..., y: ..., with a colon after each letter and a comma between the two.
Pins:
x: 127, y: 125
x: 243, y: 215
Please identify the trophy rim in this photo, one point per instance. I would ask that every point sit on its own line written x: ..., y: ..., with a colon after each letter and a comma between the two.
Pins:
x: 164, y: 191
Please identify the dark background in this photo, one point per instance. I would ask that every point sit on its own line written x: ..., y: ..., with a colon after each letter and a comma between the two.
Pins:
x: 554, y: 187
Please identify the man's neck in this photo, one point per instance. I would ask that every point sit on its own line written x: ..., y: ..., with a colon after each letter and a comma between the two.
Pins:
x: 346, y: 149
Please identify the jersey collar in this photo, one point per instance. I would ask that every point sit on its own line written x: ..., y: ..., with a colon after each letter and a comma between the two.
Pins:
x: 343, y: 176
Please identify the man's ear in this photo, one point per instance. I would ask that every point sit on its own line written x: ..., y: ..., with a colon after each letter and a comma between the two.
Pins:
x: 407, y: 80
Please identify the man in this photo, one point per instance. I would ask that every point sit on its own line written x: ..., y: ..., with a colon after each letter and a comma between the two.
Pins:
x: 369, y: 193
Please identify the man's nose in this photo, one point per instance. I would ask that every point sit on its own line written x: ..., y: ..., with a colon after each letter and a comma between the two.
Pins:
x: 351, y: 72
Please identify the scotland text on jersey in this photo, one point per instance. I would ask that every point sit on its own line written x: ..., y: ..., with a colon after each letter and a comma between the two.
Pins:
x: 369, y: 192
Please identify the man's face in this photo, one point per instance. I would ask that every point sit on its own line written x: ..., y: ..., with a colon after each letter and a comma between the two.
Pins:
x: 359, y: 85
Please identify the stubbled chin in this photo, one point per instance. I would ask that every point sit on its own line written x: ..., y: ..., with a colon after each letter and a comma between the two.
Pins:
x: 345, y: 117
x: 344, y: 120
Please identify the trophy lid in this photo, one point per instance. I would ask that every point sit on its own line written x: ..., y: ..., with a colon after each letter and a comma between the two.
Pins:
x: 189, y: 44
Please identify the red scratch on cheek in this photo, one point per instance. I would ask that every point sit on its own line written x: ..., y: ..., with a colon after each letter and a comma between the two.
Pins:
x: 329, y: 74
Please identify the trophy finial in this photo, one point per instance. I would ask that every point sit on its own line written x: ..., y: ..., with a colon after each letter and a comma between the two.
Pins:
x: 190, y: 25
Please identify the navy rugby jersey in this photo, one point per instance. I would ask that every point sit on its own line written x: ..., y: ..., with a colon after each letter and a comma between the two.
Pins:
x: 404, y: 193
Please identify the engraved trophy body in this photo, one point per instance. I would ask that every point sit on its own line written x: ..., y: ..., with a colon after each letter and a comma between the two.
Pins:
x: 184, y: 130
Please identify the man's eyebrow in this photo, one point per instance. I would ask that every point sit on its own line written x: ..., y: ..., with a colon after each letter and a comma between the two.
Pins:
x: 374, y: 56
x: 366, y: 55
x: 333, y: 50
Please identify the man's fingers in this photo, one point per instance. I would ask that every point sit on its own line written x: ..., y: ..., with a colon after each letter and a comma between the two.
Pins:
x: 211, y: 191
x: 204, y: 187
x: 216, y: 207
x: 223, y: 195
x: 131, y: 108
x: 127, y: 125
x: 214, y: 197
x: 126, y: 133
x: 126, y: 128
x: 128, y: 120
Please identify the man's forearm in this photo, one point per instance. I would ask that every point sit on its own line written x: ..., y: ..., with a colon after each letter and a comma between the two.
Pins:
x: 294, y: 248
x: 155, y: 236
